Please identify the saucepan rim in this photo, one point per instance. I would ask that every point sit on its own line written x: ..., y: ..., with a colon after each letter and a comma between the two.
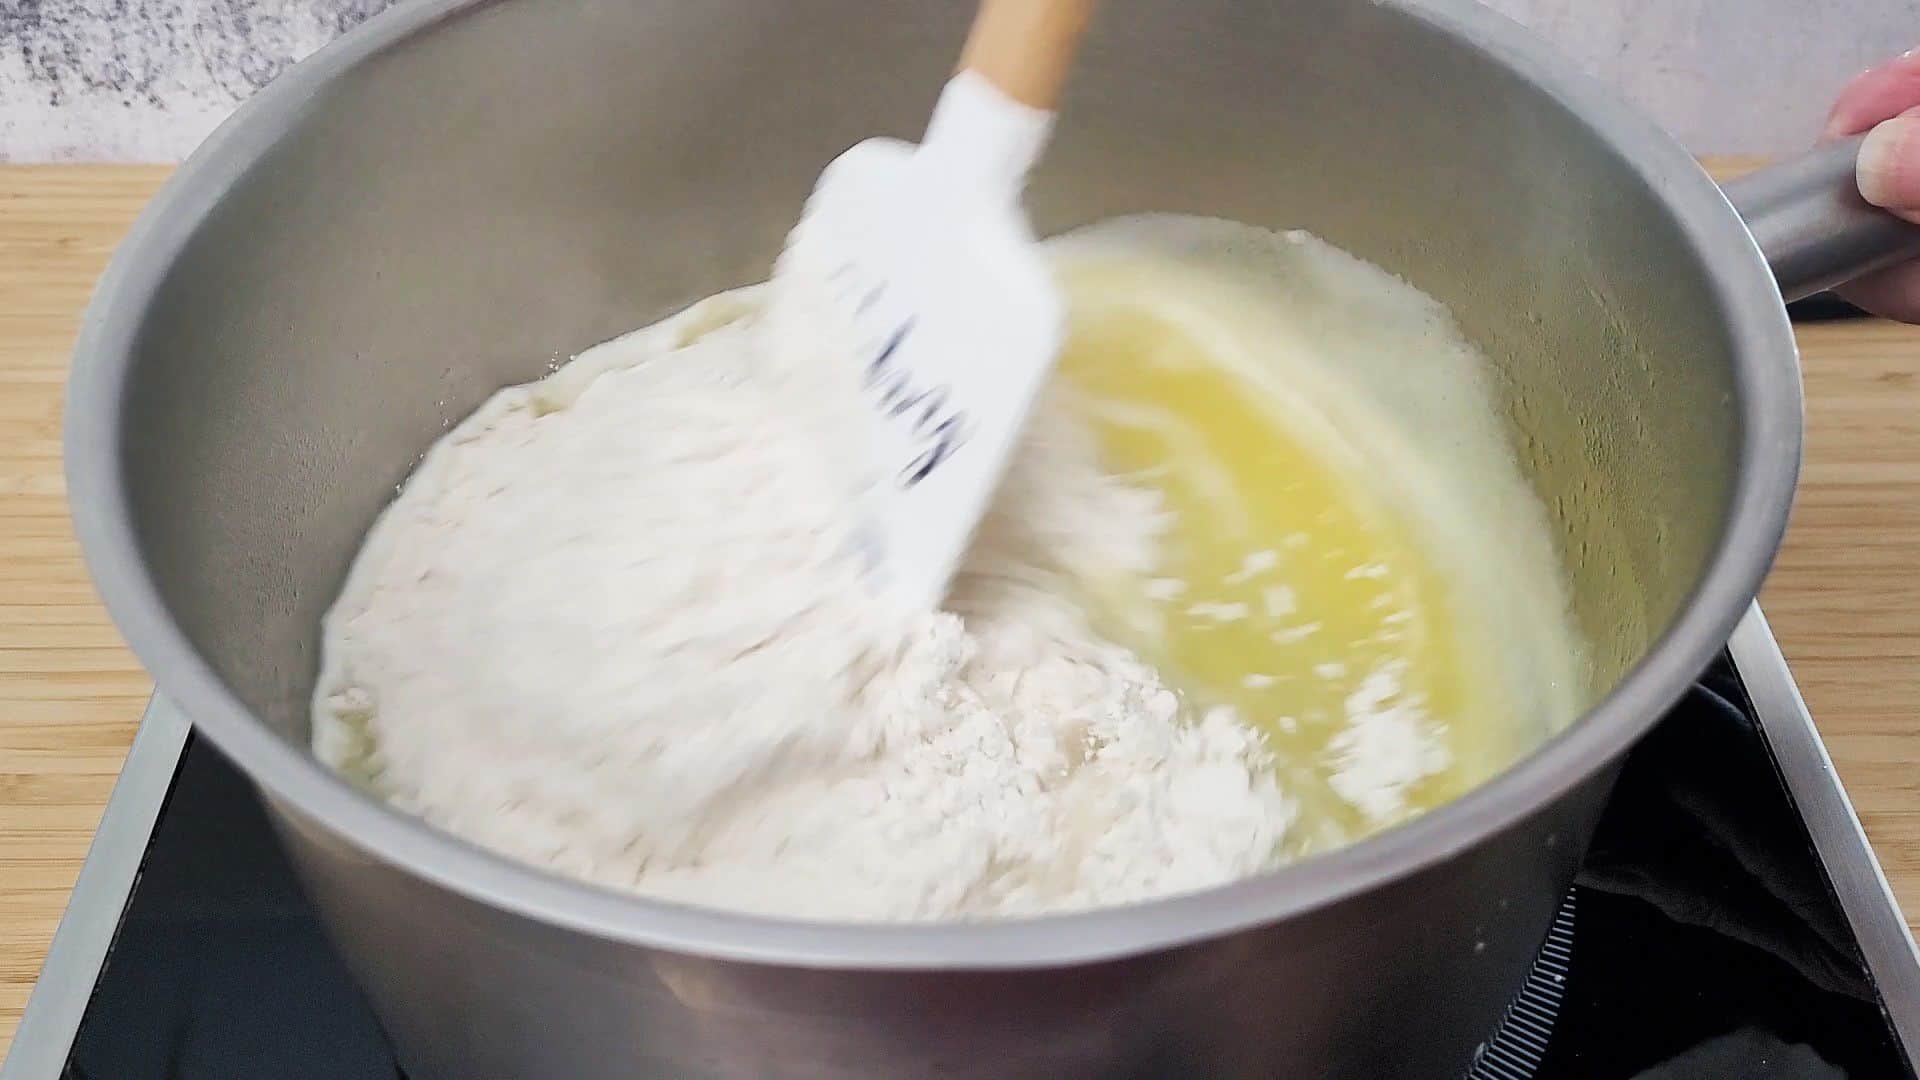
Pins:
x: 297, y: 784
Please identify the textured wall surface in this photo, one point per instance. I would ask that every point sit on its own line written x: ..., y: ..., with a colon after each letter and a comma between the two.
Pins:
x: 145, y: 80
x: 1727, y: 76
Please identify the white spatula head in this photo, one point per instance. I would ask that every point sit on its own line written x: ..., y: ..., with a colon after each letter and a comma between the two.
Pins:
x: 926, y: 261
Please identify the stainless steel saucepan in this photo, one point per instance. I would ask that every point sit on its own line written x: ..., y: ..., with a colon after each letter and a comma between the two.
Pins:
x: 462, y: 190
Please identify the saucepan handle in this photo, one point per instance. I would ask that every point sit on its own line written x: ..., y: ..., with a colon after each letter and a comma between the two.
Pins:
x: 1812, y: 225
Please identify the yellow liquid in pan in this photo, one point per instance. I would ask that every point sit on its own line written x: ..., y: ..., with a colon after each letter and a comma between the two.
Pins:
x: 1292, y: 586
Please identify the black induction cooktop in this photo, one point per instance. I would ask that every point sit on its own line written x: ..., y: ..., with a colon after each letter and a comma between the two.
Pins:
x: 1729, y: 921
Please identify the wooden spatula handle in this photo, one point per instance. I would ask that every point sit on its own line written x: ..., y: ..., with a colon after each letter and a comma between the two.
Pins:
x: 1025, y: 47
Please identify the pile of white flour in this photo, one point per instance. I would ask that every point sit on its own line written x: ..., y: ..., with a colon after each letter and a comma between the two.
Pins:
x: 611, y: 627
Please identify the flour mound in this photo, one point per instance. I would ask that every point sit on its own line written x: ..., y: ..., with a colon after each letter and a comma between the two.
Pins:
x: 611, y: 627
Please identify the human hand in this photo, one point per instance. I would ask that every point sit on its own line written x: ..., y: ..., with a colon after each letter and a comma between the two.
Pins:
x: 1885, y: 102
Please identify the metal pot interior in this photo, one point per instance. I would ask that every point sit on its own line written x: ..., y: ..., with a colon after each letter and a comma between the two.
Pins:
x: 520, y: 180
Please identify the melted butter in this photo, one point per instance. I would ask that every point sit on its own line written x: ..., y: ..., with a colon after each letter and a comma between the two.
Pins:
x: 1295, y: 586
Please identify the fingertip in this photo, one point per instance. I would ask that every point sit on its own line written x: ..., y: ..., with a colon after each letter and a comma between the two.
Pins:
x: 1874, y: 95
x: 1888, y: 169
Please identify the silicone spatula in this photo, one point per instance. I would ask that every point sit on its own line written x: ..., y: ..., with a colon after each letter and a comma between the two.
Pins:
x: 926, y: 252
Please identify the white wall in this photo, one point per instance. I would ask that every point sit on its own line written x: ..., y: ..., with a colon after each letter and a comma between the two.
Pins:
x: 145, y: 80
x: 1727, y: 76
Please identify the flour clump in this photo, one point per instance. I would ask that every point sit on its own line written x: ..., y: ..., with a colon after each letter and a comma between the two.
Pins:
x: 611, y: 627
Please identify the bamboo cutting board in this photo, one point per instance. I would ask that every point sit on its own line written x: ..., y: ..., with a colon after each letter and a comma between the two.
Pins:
x: 1844, y: 600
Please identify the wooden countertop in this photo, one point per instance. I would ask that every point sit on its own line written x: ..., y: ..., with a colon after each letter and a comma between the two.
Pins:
x: 1844, y: 600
